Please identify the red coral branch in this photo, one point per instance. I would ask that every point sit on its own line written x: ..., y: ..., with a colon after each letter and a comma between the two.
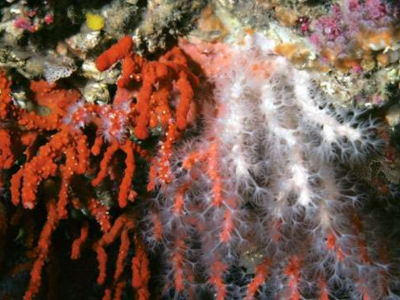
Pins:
x: 114, y: 54
x: 216, y: 279
x: 100, y: 212
x: 42, y: 250
x: 140, y: 270
x: 105, y: 163
x: 77, y: 244
x: 5, y: 95
x: 6, y: 155
x: 259, y: 278
x: 125, y: 187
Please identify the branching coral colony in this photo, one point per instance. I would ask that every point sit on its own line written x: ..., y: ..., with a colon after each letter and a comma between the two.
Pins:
x: 262, y: 187
x: 260, y: 204
x: 51, y: 152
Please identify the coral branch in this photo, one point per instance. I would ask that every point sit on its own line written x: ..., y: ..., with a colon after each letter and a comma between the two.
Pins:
x: 42, y: 250
x: 140, y: 271
x: 114, y: 54
x: 258, y: 280
x: 77, y: 244
x: 5, y: 96
x: 125, y: 187
x: 216, y: 279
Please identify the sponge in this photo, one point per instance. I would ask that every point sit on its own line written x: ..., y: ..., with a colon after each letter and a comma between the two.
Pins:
x: 94, y: 22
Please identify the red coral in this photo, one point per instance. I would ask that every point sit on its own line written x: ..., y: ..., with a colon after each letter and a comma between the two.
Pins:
x: 55, y: 100
x: 131, y: 70
x: 258, y: 280
x: 5, y: 96
x: 77, y: 244
x: 6, y: 155
x: 114, y: 54
x: 54, y: 149
x: 218, y: 269
x: 7, y: 158
x: 125, y: 190
x: 152, y: 103
x: 42, y: 250
x: 293, y: 272
x: 140, y: 270
x: 140, y: 266
x: 100, y: 212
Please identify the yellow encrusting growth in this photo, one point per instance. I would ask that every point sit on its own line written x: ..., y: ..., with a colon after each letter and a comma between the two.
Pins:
x: 94, y: 22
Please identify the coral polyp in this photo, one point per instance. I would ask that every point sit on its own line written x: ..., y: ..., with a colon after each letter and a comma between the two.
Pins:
x: 272, y: 173
x: 199, y: 150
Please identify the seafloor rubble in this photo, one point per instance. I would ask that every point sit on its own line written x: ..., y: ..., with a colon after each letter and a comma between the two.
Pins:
x: 221, y: 149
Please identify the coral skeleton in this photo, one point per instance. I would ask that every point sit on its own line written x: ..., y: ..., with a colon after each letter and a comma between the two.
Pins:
x: 264, y: 186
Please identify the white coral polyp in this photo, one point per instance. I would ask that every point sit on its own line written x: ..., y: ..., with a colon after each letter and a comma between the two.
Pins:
x: 281, y: 144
